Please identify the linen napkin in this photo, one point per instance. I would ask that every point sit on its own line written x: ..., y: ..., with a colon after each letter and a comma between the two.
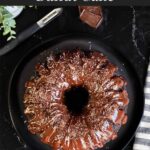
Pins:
x: 142, y: 137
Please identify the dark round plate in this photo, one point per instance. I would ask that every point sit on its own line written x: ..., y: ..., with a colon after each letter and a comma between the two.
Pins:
x: 25, y: 69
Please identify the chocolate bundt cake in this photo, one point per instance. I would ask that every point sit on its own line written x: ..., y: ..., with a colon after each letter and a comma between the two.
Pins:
x: 76, y: 101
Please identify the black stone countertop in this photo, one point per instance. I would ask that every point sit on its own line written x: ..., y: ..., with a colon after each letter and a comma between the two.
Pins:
x: 127, y: 29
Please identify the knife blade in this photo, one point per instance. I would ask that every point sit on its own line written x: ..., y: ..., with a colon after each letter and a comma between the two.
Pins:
x: 31, y: 30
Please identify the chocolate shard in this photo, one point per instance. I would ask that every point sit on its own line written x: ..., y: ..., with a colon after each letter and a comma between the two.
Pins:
x: 97, y: 10
x: 91, y: 15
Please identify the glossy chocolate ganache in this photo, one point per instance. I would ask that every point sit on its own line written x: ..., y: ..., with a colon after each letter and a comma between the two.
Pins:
x: 76, y: 101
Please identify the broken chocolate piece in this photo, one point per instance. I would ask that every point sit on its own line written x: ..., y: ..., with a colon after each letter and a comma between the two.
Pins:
x: 97, y: 10
x: 91, y: 15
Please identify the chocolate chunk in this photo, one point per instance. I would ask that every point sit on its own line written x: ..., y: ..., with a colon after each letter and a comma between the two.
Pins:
x: 91, y: 15
x: 97, y: 10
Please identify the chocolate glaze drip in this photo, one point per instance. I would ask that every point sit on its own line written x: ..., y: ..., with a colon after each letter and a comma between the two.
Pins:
x: 46, y: 111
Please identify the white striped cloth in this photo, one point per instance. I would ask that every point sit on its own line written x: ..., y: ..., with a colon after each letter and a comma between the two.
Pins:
x: 142, y: 137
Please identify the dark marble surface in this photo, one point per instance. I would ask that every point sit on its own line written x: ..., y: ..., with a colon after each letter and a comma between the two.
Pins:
x: 127, y: 29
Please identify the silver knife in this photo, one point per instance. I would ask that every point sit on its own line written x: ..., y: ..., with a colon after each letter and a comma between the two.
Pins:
x: 31, y: 30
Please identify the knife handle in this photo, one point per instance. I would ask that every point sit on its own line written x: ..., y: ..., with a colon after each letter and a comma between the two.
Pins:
x: 21, y: 37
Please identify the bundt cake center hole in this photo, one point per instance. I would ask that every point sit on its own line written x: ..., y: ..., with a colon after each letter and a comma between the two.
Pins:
x: 76, y: 98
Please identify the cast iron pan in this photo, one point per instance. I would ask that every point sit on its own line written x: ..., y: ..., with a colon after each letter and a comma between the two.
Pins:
x: 25, y: 69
